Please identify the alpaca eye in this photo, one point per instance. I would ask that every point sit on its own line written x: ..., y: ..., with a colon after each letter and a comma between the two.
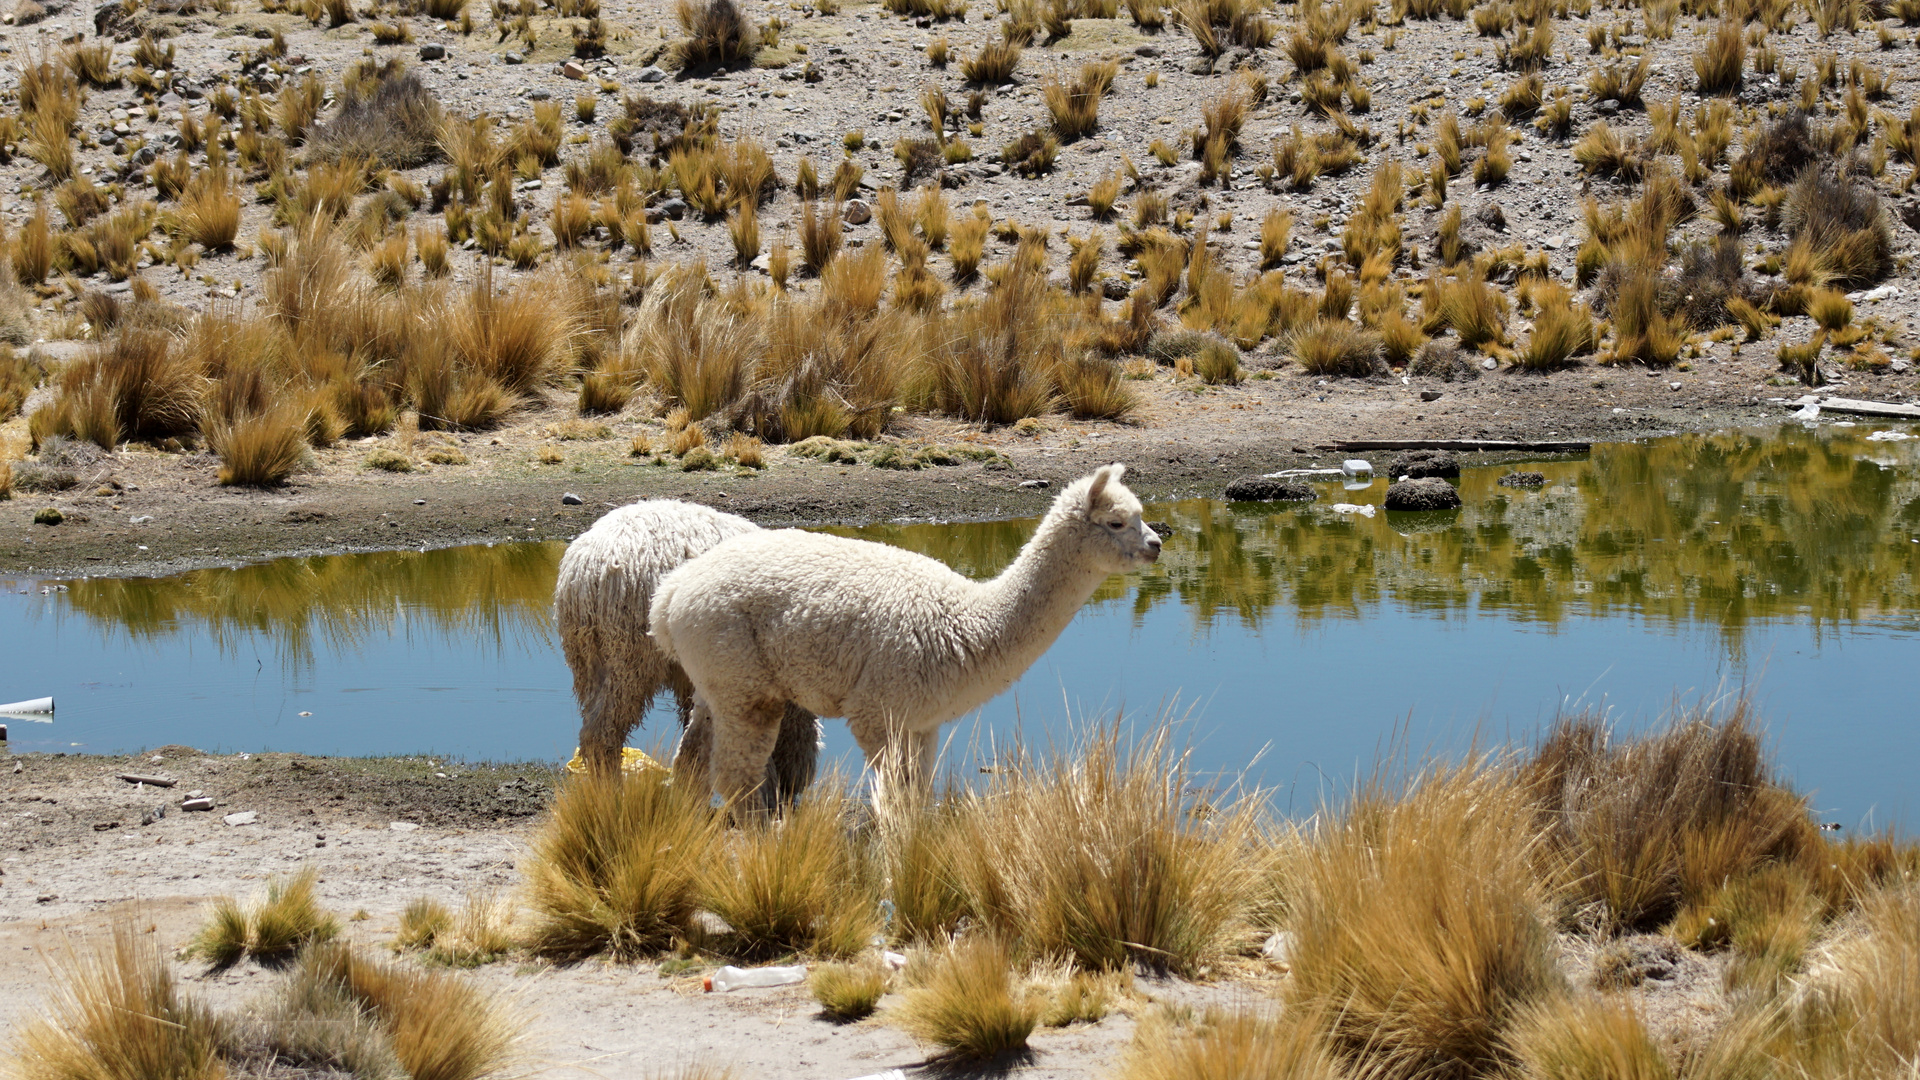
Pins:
x: 1116, y: 525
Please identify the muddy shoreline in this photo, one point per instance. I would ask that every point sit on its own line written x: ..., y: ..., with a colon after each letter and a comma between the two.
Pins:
x: 1187, y: 444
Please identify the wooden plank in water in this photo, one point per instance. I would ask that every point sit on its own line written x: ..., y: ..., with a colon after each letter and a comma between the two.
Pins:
x: 1465, y: 445
x: 1870, y: 408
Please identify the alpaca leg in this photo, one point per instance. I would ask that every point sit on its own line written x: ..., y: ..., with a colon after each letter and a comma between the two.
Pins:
x: 743, y: 740
x: 609, y: 714
x: 795, y: 757
x: 889, y: 753
x: 692, y: 758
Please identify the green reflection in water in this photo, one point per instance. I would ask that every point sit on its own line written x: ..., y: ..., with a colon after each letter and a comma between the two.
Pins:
x: 494, y: 595
x: 1727, y: 529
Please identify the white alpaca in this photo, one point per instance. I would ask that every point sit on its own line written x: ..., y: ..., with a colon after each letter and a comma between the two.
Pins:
x: 600, y: 601
x: 895, y: 642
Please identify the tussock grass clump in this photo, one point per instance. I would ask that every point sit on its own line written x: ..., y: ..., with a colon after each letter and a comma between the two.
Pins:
x: 1094, y: 855
x: 618, y: 866
x: 387, y: 116
x: 717, y: 32
x: 847, y: 991
x: 117, y: 1011
x: 1417, y: 934
x: 1335, y: 347
x: 1224, y: 1045
x: 1839, y: 222
x: 137, y: 384
x: 271, y: 928
x: 795, y: 885
x: 1075, y: 106
x: 262, y: 448
x: 967, y: 1005
x: 992, y: 65
x: 1647, y: 826
x: 1587, y: 1039
x: 1718, y: 68
x: 1562, y: 330
x: 340, y: 1007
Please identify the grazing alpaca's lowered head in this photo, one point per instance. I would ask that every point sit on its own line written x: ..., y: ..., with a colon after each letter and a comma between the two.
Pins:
x: 600, y: 600
x: 895, y: 642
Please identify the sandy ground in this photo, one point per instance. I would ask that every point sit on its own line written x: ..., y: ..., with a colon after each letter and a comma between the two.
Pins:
x: 80, y: 859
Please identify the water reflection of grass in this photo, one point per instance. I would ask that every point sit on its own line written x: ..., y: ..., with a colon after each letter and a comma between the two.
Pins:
x: 476, y: 594
x: 1728, y: 529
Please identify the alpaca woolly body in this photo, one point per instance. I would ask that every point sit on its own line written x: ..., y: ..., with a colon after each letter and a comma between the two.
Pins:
x: 606, y: 584
x: 896, y: 642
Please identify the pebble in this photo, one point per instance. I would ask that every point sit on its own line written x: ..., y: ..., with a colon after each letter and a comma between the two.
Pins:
x: 514, y: 58
x: 651, y: 74
x: 857, y: 212
x: 573, y: 70
x: 1034, y: 485
x: 419, y: 502
x: 244, y: 817
x: 433, y: 52
x: 403, y: 826
x: 570, y: 499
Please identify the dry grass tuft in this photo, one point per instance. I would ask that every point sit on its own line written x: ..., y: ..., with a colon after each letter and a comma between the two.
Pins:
x: 618, y: 865
x: 340, y: 1007
x: 848, y: 992
x: 1587, y: 1039
x: 1335, y: 347
x: 386, y: 116
x: 966, y: 1003
x: 1416, y: 924
x: 717, y: 32
x: 117, y: 1012
x: 794, y: 884
x: 1645, y: 827
x: 1224, y: 1045
x: 271, y: 929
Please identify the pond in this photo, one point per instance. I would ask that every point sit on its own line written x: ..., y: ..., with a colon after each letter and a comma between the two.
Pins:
x: 1301, y: 639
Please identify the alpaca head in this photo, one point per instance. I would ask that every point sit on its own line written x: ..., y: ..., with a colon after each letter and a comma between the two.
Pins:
x: 1103, y: 519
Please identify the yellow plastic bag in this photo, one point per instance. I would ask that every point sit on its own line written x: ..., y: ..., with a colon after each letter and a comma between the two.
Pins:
x: 631, y: 761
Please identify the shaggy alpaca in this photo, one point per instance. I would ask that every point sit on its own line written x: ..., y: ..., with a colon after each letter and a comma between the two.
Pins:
x: 895, y: 642
x: 606, y: 584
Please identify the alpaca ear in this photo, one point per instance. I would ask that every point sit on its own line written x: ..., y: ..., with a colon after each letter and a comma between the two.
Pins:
x: 1101, y: 477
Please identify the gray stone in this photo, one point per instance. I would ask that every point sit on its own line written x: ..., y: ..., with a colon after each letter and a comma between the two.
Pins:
x: 1034, y: 485
x: 651, y: 74
x: 570, y: 499
x: 514, y: 58
x: 1114, y: 289
x: 433, y: 52
x: 1431, y: 493
x: 1269, y: 489
x: 674, y: 208
x: 857, y: 212
x: 1147, y: 50
x: 402, y: 826
x: 539, y: 94
x: 1608, y: 107
x: 244, y: 817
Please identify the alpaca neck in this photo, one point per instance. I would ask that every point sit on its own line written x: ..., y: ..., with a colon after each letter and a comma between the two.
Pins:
x: 1021, y: 612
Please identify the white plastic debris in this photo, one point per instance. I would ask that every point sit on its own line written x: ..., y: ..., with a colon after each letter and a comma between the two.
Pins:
x: 1809, y: 411
x: 1350, y: 508
x: 733, y: 978
x: 1358, y: 473
x: 1878, y: 436
x: 894, y: 960
x: 29, y: 707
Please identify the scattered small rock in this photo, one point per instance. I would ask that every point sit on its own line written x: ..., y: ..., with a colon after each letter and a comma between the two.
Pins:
x: 48, y: 516
x: 1431, y: 493
x: 1269, y: 489
x: 1430, y: 395
x: 1036, y: 484
x: 573, y: 70
x: 1160, y: 528
x: 514, y: 58
x: 857, y: 212
x: 104, y: 826
x: 46, y: 898
x: 433, y: 52
x: 1522, y: 479
x: 402, y: 826
x: 199, y: 802
x: 570, y: 499
x: 244, y: 817
x: 651, y: 74
x: 675, y: 208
